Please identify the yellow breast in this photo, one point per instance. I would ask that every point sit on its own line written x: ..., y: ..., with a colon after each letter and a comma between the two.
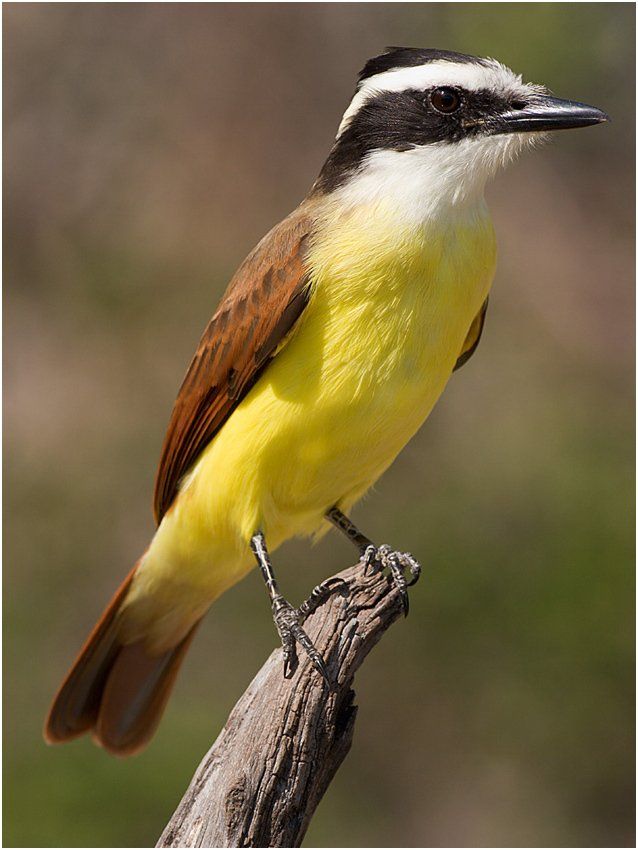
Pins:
x: 391, y: 307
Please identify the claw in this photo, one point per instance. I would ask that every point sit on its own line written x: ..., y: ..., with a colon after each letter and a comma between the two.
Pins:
x: 320, y: 666
x: 405, y: 601
x: 368, y: 560
x: 291, y: 662
x: 339, y: 585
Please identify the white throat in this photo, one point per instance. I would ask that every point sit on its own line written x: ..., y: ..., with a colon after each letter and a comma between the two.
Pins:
x: 431, y: 181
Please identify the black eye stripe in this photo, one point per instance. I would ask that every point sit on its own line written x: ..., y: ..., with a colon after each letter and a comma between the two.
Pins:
x: 402, y: 120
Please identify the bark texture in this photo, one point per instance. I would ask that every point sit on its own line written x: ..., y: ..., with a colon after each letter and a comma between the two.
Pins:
x: 262, y: 779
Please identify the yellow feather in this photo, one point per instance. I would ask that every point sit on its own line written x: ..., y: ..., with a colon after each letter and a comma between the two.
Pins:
x: 390, y: 307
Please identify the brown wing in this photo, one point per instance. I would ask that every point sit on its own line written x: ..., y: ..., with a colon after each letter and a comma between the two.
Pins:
x: 473, y: 337
x: 262, y: 303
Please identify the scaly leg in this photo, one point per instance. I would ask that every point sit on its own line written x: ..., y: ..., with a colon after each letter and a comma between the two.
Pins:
x: 288, y: 620
x: 379, y: 557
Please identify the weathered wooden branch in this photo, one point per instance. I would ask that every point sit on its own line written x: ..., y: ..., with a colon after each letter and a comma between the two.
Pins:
x: 261, y: 781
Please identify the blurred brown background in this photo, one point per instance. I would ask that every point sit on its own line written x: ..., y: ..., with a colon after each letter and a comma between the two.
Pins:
x: 147, y: 148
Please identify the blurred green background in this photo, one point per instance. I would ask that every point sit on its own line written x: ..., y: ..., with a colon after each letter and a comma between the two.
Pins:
x: 147, y: 148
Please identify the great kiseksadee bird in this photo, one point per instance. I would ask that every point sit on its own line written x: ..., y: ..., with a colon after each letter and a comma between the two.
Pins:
x: 330, y: 347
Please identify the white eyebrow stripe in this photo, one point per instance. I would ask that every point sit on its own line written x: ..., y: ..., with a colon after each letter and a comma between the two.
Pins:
x: 472, y: 76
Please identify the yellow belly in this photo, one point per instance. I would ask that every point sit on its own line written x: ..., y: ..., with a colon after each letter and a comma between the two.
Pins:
x: 386, y: 321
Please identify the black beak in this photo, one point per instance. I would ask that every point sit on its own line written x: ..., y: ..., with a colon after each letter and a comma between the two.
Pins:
x: 549, y: 113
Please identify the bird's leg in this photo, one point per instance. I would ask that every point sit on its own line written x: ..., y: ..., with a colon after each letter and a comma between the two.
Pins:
x: 288, y: 620
x: 350, y: 530
x: 379, y: 557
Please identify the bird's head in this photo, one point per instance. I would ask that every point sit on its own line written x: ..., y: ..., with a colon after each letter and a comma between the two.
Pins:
x: 435, y: 121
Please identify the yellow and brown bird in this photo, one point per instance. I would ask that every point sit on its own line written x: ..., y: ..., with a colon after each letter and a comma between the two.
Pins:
x: 333, y: 342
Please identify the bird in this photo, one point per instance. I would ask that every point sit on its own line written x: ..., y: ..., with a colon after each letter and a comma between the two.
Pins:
x: 331, y: 345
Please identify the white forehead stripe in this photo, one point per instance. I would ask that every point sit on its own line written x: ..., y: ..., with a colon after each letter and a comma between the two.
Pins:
x: 467, y: 75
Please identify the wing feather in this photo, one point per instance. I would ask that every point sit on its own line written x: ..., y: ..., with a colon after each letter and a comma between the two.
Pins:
x: 473, y: 337
x: 261, y: 305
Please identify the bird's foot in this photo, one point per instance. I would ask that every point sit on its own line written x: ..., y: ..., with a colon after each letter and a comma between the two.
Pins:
x: 289, y: 622
x: 378, y: 558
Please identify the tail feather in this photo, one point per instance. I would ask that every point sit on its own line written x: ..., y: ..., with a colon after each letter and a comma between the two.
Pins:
x: 117, y: 691
x: 135, y: 695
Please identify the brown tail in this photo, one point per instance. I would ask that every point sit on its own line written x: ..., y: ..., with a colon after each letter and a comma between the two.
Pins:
x: 116, y: 691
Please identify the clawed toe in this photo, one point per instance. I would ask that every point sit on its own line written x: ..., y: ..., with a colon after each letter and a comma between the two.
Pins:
x: 373, y: 559
x: 321, y: 593
x: 378, y: 558
x: 289, y: 622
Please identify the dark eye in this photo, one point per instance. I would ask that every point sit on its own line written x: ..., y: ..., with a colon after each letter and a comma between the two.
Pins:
x: 445, y: 100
